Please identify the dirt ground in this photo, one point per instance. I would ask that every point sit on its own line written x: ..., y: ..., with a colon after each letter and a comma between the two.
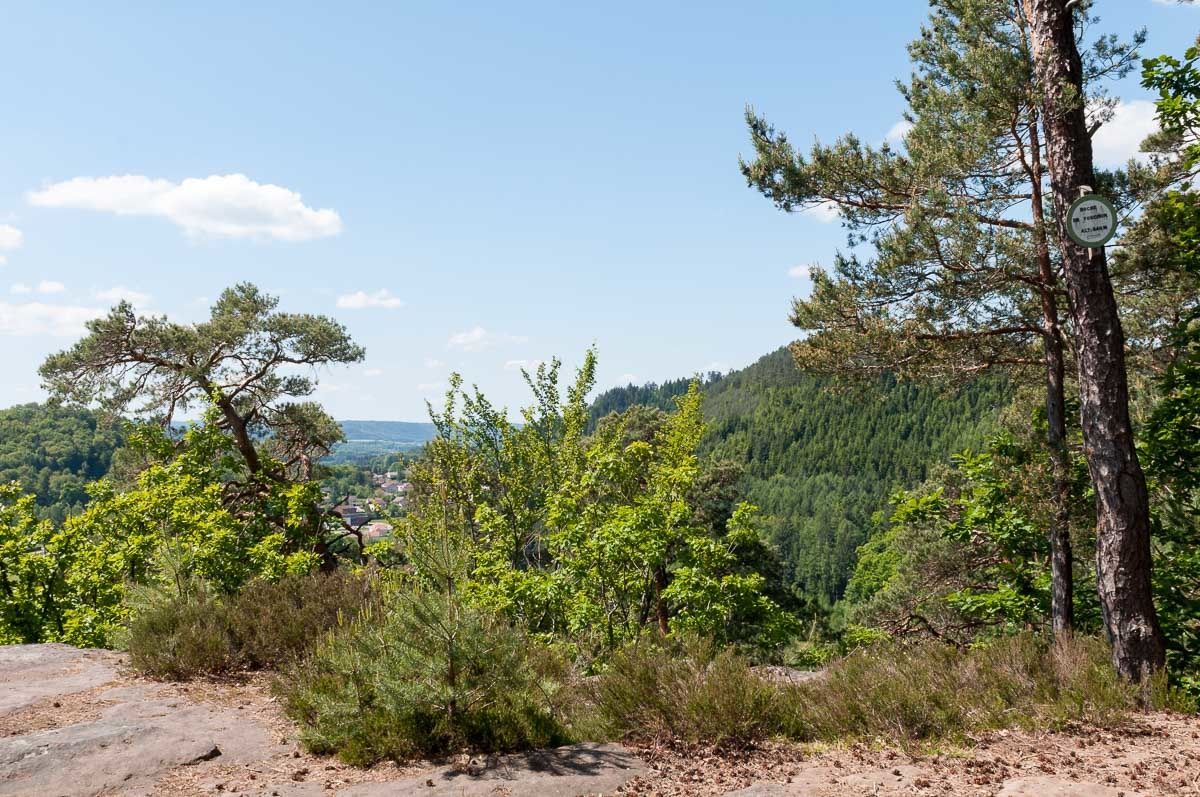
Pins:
x: 80, y: 723
x: 1156, y: 754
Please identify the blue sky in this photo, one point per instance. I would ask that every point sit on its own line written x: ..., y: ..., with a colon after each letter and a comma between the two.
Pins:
x: 467, y: 187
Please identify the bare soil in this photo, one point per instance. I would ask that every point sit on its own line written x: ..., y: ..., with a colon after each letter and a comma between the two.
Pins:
x: 80, y: 723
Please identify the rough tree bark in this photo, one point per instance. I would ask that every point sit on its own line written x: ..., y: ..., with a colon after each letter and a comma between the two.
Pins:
x: 1062, y: 577
x: 1122, y: 501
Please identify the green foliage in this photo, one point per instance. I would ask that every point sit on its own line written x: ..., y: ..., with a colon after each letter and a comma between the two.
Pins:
x: 966, y: 554
x: 249, y: 364
x: 30, y: 582
x: 192, y: 632
x: 340, y: 480
x: 1178, y: 105
x: 1164, y: 247
x: 172, y: 526
x: 820, y: 466
x: 423, y: 676
x: 592, y: 537
x: 53, y: 452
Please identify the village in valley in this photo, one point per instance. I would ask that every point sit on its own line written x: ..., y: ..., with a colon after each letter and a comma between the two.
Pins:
x: 371, y: 514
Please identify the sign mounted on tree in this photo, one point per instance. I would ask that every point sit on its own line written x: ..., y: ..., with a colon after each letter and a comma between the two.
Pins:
x: 1092, y: 221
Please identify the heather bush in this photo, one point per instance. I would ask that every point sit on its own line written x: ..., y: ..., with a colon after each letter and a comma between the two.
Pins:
x: 928, y: 690
x: 690, y: 691
x: 191, y: 632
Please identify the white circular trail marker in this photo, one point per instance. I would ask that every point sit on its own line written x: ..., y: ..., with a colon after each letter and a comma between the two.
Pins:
x: 1092, y: 221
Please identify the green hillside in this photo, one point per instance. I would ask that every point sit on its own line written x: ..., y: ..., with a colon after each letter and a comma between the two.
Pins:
x: 53, y: 452
x: 820, y: 463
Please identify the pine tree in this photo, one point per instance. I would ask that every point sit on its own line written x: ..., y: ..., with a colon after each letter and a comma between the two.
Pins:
x: 962, y: 278
x: 1122, y: 500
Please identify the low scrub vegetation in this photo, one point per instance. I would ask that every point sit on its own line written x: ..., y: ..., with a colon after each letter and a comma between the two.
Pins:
x: 691, y: 691
x: 929, y: 690
x: 426, y: 676
x: 193, y: 632
x: 900, y: 692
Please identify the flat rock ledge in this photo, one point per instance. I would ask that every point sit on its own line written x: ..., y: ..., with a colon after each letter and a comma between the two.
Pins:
x: 77, y: 723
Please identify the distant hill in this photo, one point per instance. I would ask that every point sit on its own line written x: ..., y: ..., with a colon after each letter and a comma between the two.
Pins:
x: 54, y: 451
x: 819, y: 463
x: 368, y: 439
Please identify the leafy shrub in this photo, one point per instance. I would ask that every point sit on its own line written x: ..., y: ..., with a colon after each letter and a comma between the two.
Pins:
x: 806, y: 654
x: 424, y: 676
x: 690, y: 691
x: 267, y: 624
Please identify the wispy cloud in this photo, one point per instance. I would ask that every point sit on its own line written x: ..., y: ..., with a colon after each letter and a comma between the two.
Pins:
x: 824, y: 212
x: 517, y: 365
x: 1120, y: 138
x: 433, y: 362
x: 897, y: 132
x: 478, y: 339
x: 219, y: 206
x: 50, y: 286
x: 121, y: 293
x: 799, y: 272
x: 431, y: 387
x: 372, y: 372
x: 10, y: 238
x: 360, y: 300
x: 31, y: 319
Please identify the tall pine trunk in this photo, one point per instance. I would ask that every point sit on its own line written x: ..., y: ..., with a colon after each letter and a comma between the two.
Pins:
x: 1122, y: 501
x: 1062, y: 576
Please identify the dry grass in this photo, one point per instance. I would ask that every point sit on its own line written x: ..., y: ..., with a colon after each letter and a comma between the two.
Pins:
x: 894, y: 692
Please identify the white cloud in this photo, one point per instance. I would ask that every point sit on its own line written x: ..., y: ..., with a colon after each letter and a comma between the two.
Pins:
x: 35, y: 318
x: 431, y: 387
x: 478, y: 339
x: 10, y: 237
x: 372, y: 372
x: 121, y: 293
x: 1120, y: 138
x: 221, y: 205
x: 799, y: 272
x: 20, y: 288
x: 717, y: 365
x: 3, y: 260
x: 897, y: 132
x: 361, y: 299
x: 825, y: 212
x: 50, y: 286
x: 627, y: 379
x: 517, y: 365
x: 432, y: 362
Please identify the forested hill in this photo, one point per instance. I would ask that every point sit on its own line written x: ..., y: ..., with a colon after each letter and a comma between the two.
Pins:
x: 821, y: 463
x: 53, y: 452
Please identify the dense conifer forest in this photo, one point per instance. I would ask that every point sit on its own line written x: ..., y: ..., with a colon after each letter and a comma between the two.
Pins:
x: 819, y: 462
